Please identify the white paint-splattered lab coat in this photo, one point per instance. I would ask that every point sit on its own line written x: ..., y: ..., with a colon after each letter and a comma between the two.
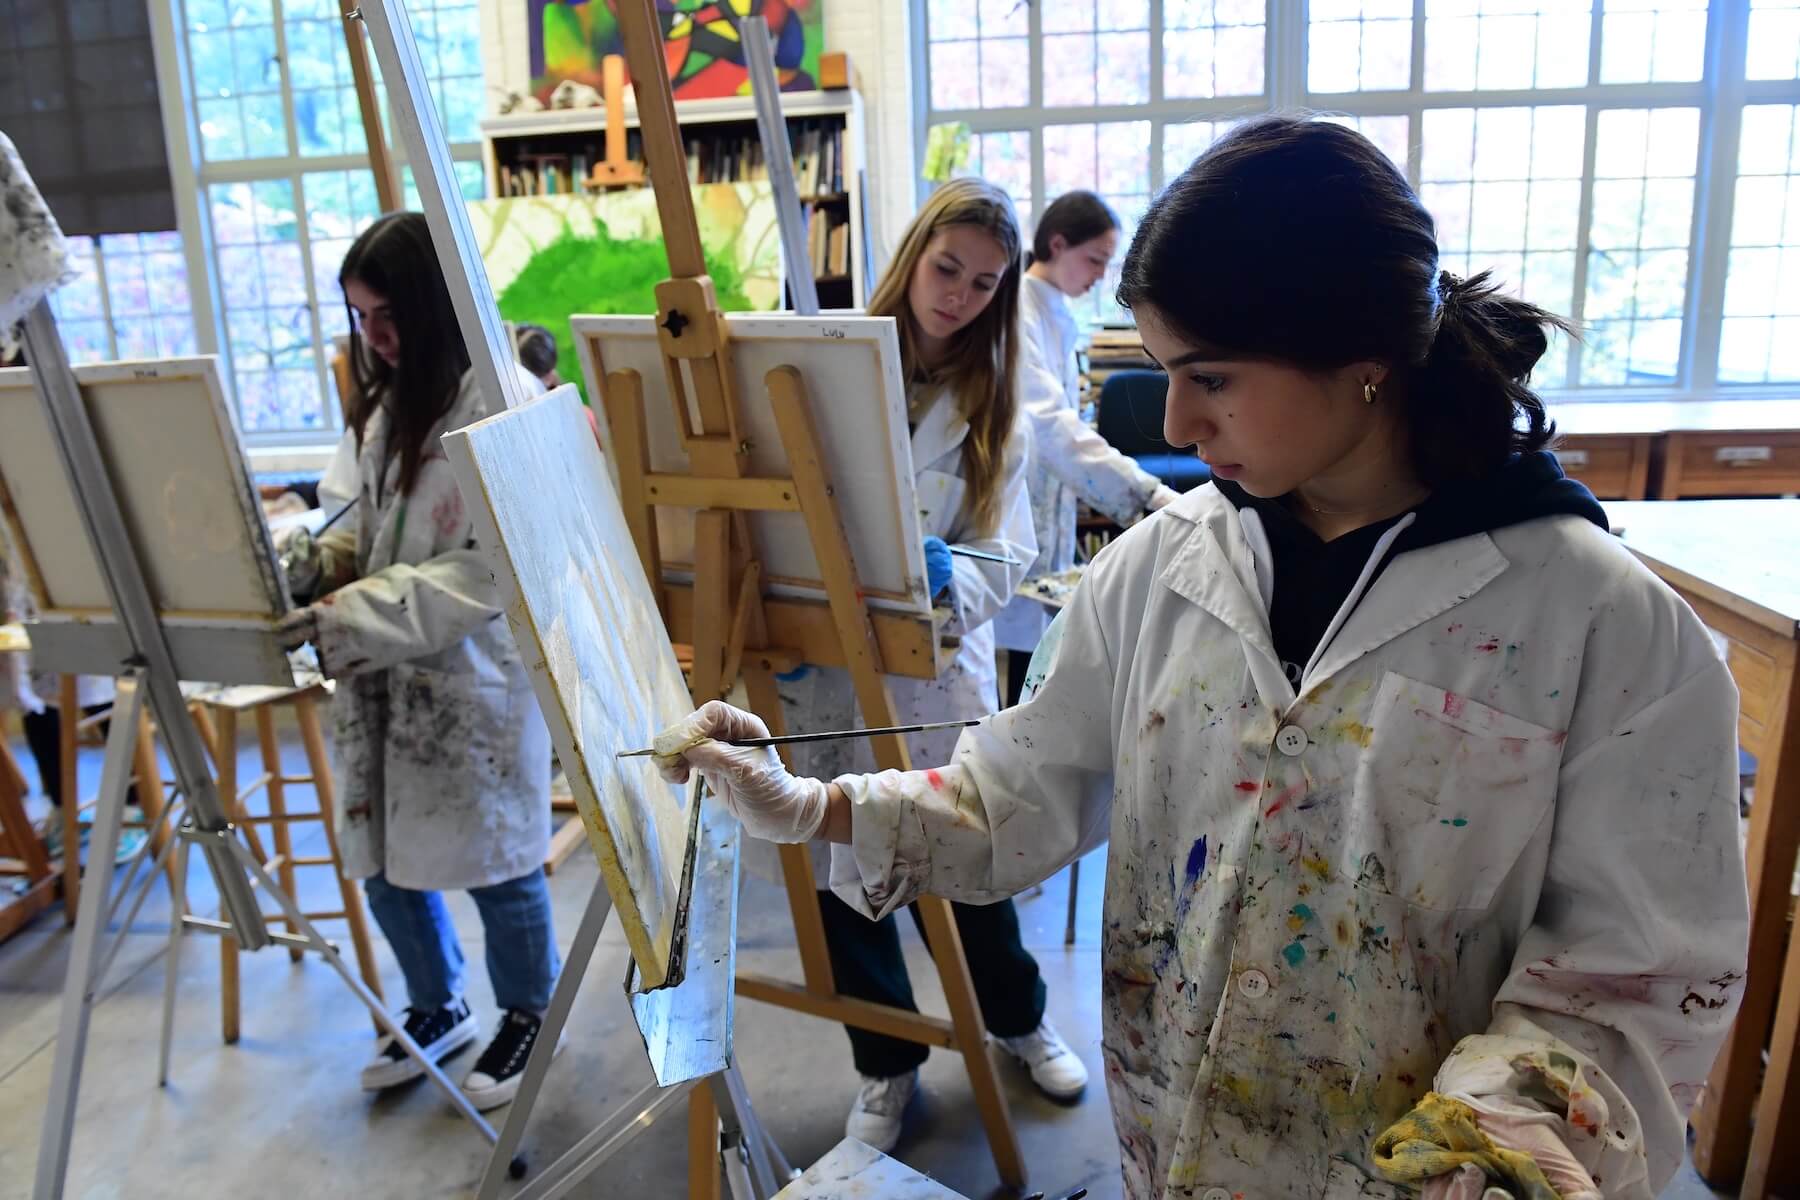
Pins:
x: 1070, y: 461
x: 1493, y: 840
x: 968, y: 688
x: 443, y: 760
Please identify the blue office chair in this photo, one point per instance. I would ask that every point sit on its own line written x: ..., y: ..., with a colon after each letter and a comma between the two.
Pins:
x: 1131, y: 419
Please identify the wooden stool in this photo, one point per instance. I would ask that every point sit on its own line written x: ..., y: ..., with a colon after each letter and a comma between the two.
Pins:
x: 75, y: 726
x: 216, y: 713
x: 20, y: 852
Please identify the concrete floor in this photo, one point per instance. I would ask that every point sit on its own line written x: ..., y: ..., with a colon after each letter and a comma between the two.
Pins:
x: 280, y: 1112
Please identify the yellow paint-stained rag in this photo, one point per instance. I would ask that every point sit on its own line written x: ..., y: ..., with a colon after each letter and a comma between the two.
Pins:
x: 1439, y: 1135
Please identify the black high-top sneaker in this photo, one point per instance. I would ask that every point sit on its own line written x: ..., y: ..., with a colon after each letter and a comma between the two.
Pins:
x: 498, y: 1072
x: 440, y: 1033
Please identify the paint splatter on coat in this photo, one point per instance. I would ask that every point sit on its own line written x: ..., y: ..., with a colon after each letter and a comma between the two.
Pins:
x: 442, y: 759
x: 1489, y: 841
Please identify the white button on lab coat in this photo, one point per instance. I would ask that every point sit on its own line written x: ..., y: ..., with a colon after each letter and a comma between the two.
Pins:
x: 1508, y: 851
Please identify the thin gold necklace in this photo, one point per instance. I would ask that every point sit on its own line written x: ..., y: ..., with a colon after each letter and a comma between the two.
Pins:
x: 1346, y: 512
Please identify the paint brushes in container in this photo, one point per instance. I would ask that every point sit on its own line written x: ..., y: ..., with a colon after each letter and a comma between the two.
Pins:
x: 794, y: 739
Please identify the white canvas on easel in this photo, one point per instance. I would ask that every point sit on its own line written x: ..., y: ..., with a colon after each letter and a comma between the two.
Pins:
x: 191, y: 511
x: 600, y: 661
x: 851, y: 366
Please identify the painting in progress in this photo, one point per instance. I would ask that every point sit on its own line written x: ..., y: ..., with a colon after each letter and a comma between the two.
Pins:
x: 851, y: 366
x: 569, y: 38
x: 172, y: 454
x: 588, y: 626
x: 549, y: 256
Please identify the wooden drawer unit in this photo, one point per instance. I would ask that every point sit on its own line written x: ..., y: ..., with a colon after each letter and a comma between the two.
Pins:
x: 1614, y: 466
x: 1737, y: 463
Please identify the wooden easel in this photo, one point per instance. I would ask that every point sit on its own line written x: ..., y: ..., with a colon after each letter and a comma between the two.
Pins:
x: 617, y: 169
x: 724, y: 615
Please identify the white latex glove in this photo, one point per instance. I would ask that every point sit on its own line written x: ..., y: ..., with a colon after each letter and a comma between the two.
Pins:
x: 1468, y: 1183
x: 772, y: 803
x: 1512, y: 1126
x: 297, y: 628
x: 301, y: 563
x: 1163, y: 496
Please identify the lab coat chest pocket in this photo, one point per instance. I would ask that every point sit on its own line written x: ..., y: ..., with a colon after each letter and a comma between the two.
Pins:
x: 1448, y: 794
x: 451, y: 725
x: 940, y: 502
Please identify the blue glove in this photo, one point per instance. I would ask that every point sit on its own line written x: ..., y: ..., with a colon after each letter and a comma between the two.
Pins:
x: 937, y: 564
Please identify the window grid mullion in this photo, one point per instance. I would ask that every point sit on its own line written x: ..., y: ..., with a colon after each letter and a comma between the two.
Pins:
x: 1034, y: 116
x: 321, y: 354
x: 286, y: 87
x: 1415, y: 108
x: 106, y: 313
x: 1715, y: 190
x: 1157, y: 179
x: 1584, y: 218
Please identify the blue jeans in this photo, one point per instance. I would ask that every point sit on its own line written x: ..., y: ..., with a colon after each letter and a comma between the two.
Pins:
x: 522, y: 961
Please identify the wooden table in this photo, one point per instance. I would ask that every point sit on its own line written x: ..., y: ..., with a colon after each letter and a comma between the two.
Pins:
x: 1634, y: 449
x: 1738, y: 563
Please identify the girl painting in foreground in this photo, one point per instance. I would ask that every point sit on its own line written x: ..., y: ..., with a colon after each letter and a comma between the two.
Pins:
x: 1421, y: 790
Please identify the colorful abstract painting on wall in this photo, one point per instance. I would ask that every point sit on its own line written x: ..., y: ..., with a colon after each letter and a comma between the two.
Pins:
x: 548, y: 257
x: 569, y: 38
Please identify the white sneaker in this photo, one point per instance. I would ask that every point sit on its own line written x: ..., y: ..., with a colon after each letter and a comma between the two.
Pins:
x: 875, y: 1117
x: 1057, y: 1070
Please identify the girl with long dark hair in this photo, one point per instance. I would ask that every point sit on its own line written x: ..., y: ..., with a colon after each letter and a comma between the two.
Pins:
x: 443, y: 761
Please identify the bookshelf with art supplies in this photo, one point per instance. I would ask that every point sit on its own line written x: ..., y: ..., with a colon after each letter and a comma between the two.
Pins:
x: 558, y: 152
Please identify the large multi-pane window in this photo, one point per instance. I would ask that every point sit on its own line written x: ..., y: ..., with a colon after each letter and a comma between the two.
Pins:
x: 286, y: 185
x: 129, y: 299
x: 1633, y: 165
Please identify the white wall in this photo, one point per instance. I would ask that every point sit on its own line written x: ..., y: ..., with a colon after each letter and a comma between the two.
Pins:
x: 876, y: 34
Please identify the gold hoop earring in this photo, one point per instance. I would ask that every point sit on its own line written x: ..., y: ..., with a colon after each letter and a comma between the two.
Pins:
x: 1368, y: 392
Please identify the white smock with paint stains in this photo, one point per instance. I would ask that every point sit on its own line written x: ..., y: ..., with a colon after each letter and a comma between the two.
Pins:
x: 442, y: 758
x: 1493, y: 839
x: 1070, y: 461
x: 968, y: 688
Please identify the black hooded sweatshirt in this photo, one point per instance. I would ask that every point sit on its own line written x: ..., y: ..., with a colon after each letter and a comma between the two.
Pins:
x: 1313, y: 576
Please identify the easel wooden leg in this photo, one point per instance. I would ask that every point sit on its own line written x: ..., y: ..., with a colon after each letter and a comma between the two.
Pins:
x: 796, y: 863
x: 1771, y: 1151
x: 703, y: 1145
x: 971, y: 1037
x: 150, y: 795
x: 224, y: 743
x: 69, y: 768
x: 712, y: 601
x: 319, y: 763
x: 284, y: 838
x: 1722, y: 1119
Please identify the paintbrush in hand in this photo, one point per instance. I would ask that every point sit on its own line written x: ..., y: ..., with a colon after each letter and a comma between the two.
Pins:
x: 796, y: 738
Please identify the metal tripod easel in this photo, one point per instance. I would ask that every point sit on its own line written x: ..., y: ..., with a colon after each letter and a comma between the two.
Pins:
x: 149, y: 674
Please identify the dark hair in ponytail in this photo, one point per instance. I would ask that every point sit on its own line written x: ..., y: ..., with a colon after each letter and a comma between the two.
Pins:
x: 1298, y: 241
x: 1078, y: 217
x: 393, y: 258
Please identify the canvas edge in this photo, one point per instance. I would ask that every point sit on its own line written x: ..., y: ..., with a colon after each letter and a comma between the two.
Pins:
x: 648, y: 950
